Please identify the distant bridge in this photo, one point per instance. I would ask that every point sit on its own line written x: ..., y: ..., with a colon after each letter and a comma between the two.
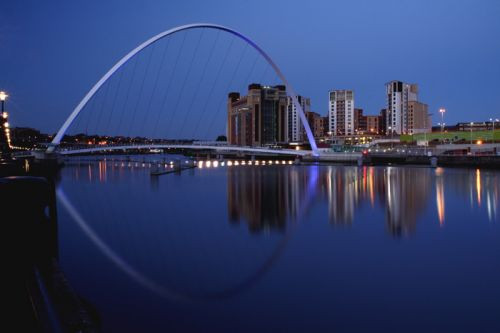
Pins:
x: 215, y: 148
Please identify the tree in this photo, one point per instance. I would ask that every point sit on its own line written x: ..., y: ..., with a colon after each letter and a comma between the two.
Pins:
x: 221, y: 138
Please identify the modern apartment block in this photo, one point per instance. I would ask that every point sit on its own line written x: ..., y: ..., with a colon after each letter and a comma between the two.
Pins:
x: 341, y: 112
x: 399, y: 96
x: 295, y: 130
x: 259, y: 118
x: 316, y: 122
x: 419, y: 120
x: 369, y: 124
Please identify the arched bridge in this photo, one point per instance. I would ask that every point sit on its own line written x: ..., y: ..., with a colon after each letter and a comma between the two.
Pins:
x: 289, y: 89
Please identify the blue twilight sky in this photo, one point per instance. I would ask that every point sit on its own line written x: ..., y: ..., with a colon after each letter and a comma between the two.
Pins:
x: 52, y: 52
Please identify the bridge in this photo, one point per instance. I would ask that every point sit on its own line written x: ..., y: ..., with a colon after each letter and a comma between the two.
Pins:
x: 194, y: 147
x: 54, y: 147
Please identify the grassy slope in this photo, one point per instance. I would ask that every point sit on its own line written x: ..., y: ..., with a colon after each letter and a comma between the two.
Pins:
x: 480, y: 135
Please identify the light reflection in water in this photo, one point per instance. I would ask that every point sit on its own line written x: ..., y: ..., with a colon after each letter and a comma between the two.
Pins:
x: 440, y: 195
x: 270, y: 199
x: 478, y: 187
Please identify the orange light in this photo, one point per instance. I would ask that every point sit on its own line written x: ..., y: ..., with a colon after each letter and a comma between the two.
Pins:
x: 479, y: 142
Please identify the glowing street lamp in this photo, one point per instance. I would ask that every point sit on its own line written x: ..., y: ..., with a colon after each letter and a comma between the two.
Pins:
x: 3, y: 97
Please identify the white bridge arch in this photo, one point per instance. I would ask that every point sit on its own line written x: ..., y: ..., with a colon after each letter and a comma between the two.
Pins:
x: 60, y: 134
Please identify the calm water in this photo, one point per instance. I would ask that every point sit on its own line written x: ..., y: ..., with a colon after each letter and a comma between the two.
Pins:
x: 283, y: 248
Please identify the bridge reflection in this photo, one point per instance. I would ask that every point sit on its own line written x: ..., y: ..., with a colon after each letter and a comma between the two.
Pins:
x: 267, y: 195
x: 169, y: 237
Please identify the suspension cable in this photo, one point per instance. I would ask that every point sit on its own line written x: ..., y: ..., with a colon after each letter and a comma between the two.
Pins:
x: 146, y: 113
x: 217, y: 111
x: 125, y: 103
x: 169, y: 125
x: 213, y: 86
x: 197, y: 90
x: 167, y: 91
x: 141, y: 88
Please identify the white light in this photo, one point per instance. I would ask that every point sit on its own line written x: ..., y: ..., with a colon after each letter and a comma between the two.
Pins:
x: 229, y: 163
x: 3, y: 96
x: 6, y: 125
x: 5, y: 115
x: 216, y: 164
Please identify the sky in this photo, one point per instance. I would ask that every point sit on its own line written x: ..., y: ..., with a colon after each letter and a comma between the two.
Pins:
x: 52, y: 52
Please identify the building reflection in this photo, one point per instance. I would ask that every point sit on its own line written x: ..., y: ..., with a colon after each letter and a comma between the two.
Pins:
x: 406, y: 192
x: 267, y: 198
x: 268, y: 195
x: 264, y: 197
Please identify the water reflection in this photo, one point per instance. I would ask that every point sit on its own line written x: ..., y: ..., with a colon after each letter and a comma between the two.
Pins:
x: 231, y: 236
x: 440, y: 205
x: 267, y: 195
x: 265, y: 198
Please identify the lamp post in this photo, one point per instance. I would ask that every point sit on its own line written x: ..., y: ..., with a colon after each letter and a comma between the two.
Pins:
x: 493, y: 129
x: 471, y: 123
x: 3, y: 97
x: 5, y: 123
x: 442, y: 111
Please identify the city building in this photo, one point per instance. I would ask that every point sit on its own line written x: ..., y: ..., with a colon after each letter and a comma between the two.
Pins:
x: 341, y: 112
x: 316, y: 122
x: 259, y: 118
x: 382, y: 122
x: 359, y: 121
x: 372, y: 125
x: 399, y: 95
x: 295, y: 129
x: 419, y: 120
x: 326, y: 125
x: 366, y: 124
x: 475, y: 126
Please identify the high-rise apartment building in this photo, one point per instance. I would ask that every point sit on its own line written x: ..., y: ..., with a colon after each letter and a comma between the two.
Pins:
x: 341, y: 112
x: 295, y: 129
x: 258, y: 118
x: 399, y: 95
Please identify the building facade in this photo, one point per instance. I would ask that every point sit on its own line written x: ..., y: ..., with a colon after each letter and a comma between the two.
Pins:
x: 259, y: 118
x: 316, y: 122
x: 399, y: 95
x: 341, y: 112
x: 419, y: 120
x: 295, y: 130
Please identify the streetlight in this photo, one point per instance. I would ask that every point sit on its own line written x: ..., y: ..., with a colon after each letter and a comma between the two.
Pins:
x: 493, y: 129
x: 471, y: 123
x: 442, y: 111
x: 3, y: 97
